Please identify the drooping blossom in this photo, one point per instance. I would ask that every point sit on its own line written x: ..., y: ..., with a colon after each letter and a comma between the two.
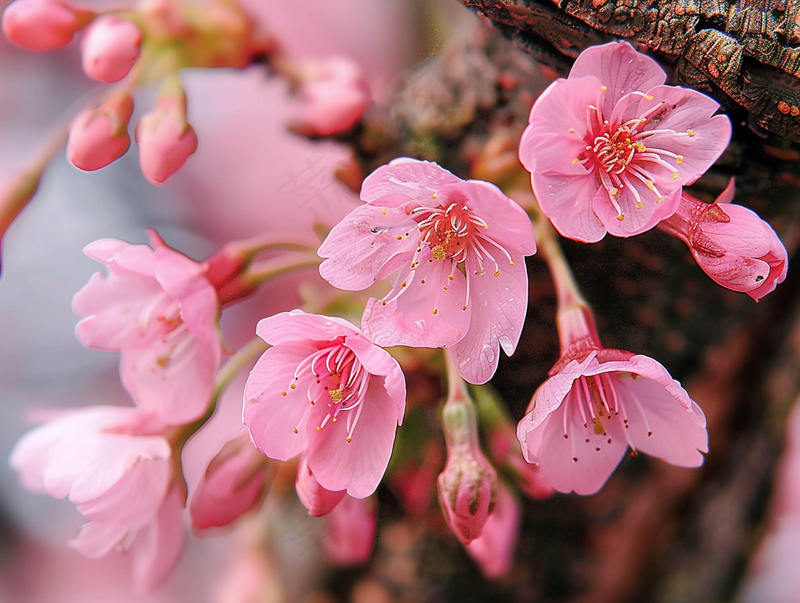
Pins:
x: 115, y: 465
x: 109, y: 48
x: 335, y: 96
x: 468, y: 485
x: 43, y: 24
x: 235, y: 482
x: 99, y: 135
x: 458, y: 247
x: 597, y: 403
x: 610, y: 148
x: 156, y: 308
x: 493, y: 550
x: 324, y: 389
x: 731, y: 243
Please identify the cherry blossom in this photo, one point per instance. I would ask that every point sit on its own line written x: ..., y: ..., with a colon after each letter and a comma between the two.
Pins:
x: 109, y: 48
x: 99, y: 135
x: 324, y: 389
x: 610, y: 148
x: 731, y: 243
x: 597, y: 403
x: 156, y: 308
x: 43, y: 25
x: 458, y: 247
x: 115, y: 465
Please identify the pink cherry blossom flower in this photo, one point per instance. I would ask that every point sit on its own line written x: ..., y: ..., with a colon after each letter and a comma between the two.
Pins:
x: 115, y: 465
x: 597, y: 403
x: 235, y: 482
x: 99, y: 135
x: 610, y: 148
x: 156, y: 308
x: 43, y: 24
x: 326, y: 390
x: 459, y: 247
x: 109, y: 48
x: 731, y: 243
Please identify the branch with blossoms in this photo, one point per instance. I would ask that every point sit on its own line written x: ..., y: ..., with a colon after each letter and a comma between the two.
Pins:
x: 611, y: 150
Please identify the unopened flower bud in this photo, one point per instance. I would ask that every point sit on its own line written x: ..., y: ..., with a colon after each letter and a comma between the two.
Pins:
x: 731, y: 243
x: 99, y: 135
x: 165, y: 138
x: 236, y: 481
x: 110, y: 48
x: 43, y: 24
x: 335, y: 96
x: 318, y: 500
x: 468, y: 484
x: 350, y: 532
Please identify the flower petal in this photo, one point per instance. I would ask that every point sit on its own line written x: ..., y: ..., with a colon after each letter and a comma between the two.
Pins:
x: 378, y: 361
x: 296, y: 326
x: 411, y: 178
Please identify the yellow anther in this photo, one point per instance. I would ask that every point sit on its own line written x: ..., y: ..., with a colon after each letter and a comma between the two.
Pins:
x: 292, y: 386
x: 399, y: 237
x: 603, y: 88
x: 690, y: 132
x: 497, y: 273
x: 295, y: 430
x: 651, y: 185
x: 679, y: 159
x: 336, y: 395
x: 383, y: 212
x: 334, y: 419
x: 435, y: 311
x: 348, y: 439
x: 620, y: 217
x: 438, y: 253
x: 434, y: 196
x: 675, y: 175
x: 319, y: 427
x: 511, y: 262
x: 648, y: 97
x: 639, y: 205
x: 660, y: 199
x: 283, y: 393
x: 404, y: 284
x: 575, y: 161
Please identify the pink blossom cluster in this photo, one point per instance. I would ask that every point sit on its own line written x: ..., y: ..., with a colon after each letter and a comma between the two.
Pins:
x: 609, y: 150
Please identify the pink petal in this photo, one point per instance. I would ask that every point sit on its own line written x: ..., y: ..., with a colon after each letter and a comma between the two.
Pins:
x: 157, y: 548
x: 379, y: 362
x: 357, y: 466
x: 411, y: 178
x: 314, y: 497
x: 350, y: 532
x: 497, y: 313
x: 556, y: 454
x: 112, y: 307
x: 173, y: 377
x: 297, y: 326
x: 98, y: 540
x: 364, y: 247
x: 619, y: 67
x: 270, y: 416
x: 568, y: 202
x: 636, y: 220
x: 678, y: 435
x: 409, y: 319
x: 688, y: 110
x: 493, y: 550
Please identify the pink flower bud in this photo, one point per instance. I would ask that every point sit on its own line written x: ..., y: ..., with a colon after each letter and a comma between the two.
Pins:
x: 43, y: 24
x: 335, y: 96
x: 731, y: 243
x: 493, y: 550
x: 99, y: 135
x: 165, y: 142
x: 316, y: 499
x: 468, y: 484
x: 350, y: 532
x: 235, y: 482
x: 110, y: 47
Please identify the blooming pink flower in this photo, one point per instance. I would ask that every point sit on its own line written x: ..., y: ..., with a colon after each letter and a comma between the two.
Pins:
x: 109, y: 48
x: 335, y: 96
x: 430, y: 225
x: 165, y: 138
x: 99, y: 135
x: 610, y: 148
x: 493, y: 550
x: 350, y: 532
x: 115, y: 465
x: 732, y: 245
x: 326, y: 390
x: 235, y: 482
x: 156, y: 308
x: 43, y: 24
x: 598, y: 402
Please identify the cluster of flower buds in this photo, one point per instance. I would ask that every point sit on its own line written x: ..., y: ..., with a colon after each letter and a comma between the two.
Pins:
x: 135, y: 47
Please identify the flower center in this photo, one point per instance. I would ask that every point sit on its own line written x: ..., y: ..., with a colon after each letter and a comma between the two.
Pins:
x: 336, y: 379
x: 621, y: 157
